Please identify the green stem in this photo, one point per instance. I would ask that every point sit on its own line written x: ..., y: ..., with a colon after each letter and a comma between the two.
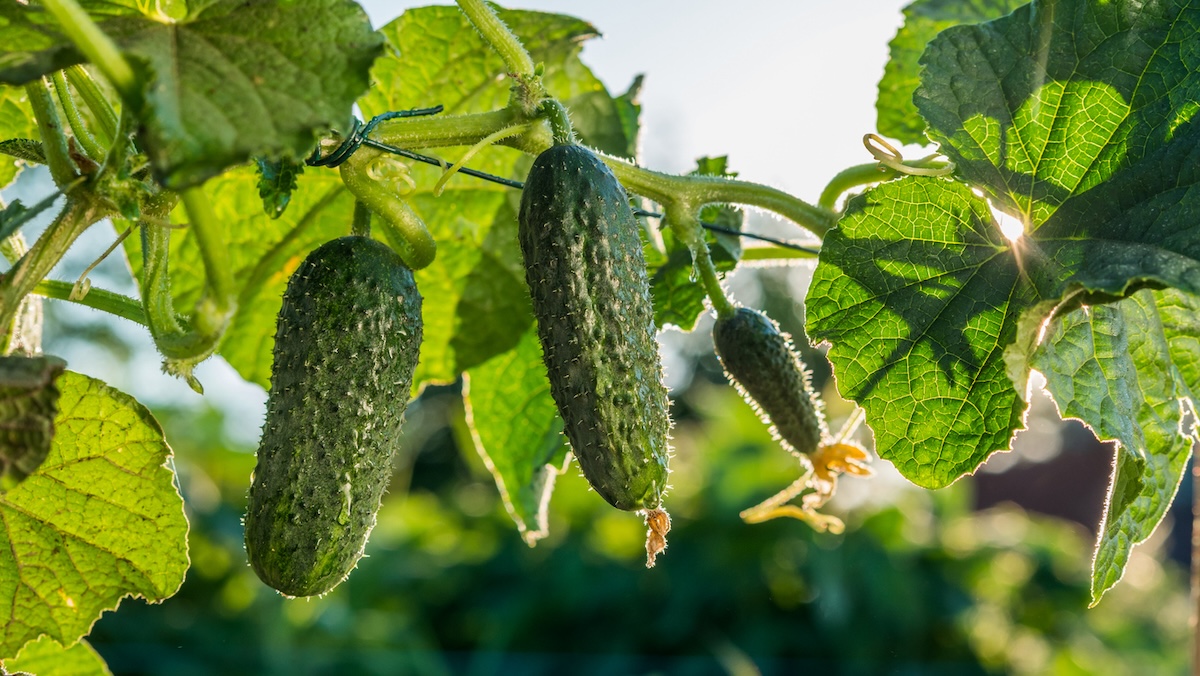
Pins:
x: 466, y: 130
x: 698, y: 191
x: 773, y: 253
x: 852, y: 177
x: 560, y: 122
x: 94, y: 99
x: 76, y: 216
x: 95, y: 45
x: 74, y: 119
x: 213, y: 250
x: 684, y: 223
x: 97, y: 299
x: 361, y: 226
x: 462, y: 130
x: 496, y: 34
x: 54, y: 142
x: 400, y: 224
x: 866, y: 174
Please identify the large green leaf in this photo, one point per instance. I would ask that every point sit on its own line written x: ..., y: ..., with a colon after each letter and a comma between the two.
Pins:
x: 517, y: 431
x: 923, y: 20
x: 16, y: 121
x: 231, y: 80
x: 1131, y: 371
x: 46, y: 657
x: 475, y: 304
x: 263, y: 253
x: 1076, y: 118
x: 101, y: 519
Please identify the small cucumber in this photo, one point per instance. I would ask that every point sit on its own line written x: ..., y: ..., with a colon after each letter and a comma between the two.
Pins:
x: 587, y: 277
x: 346, y: 346
x: 760, y: 360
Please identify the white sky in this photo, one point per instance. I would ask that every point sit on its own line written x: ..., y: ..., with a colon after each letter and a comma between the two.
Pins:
x: 786, y: 88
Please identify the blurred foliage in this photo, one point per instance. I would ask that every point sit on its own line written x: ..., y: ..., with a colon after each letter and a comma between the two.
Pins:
x: 918, y: 584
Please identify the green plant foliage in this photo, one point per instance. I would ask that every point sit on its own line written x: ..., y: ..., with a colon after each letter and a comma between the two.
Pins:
x: 920, y: 582
x: 231, y: 81
x: 16, y: 122
x: 101, y: 519
x: 923, y: 20
x: 932, y: 313
x: 1128, y: 370
x: 516, y: 429
x: 276, y: 183
x: 476, y: 306
x: 45, y: 656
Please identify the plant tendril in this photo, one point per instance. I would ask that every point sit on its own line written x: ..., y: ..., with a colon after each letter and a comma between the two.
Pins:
x: 887, y: 155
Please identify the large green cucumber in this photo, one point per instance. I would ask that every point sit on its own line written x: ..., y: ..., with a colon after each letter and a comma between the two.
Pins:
x: 587, y: 277
x: 761, y: 361
x: 346, y: 345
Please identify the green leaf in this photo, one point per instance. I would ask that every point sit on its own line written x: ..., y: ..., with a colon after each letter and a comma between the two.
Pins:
x: 476, y: 305
x: 28, y: 405
x: 232, y: 80
x: 47, y: 657
x: 16, y: 122
x: 675, y: 288
x: 100, y: 520
x: 1131, y: 371
x: 13, y: 216
x: 517, y: 431
x: 276, y: 182
x: 263, y: 253
x: 931, y: 311
x: 923, y: 20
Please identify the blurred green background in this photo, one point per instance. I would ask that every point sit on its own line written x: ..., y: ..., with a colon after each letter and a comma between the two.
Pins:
x: 921, y: 582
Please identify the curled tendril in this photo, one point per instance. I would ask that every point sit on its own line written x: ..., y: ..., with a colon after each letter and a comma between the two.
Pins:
x: 394, y: 172
x: 835, y: 455
x: 83, y: 284
x: 887, y: 155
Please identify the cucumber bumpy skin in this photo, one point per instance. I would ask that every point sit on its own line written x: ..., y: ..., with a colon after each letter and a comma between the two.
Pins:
x: 346, y: 346
x: 587, y: 276
x: 762, y: 363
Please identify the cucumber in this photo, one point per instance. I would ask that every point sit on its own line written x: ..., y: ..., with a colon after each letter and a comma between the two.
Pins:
x: 346, y: 346
x: 591, y: 298
x: 762, y: 363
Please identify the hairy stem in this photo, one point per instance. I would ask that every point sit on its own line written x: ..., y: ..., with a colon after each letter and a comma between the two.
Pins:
x: 466, y: 130
x: 496, y: 34
x: 74, y: 119
x: 54, y: 142
x: 866, y: 174
x: 462, y: 130
x: 94, y: 99
x: 684, y: 223
x: 560, y: 122
x: 95, y: 45
x: 97, y: 299
x: 698, y: 191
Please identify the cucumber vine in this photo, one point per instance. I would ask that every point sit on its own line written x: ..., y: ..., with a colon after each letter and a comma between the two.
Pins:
x: 935, y: 319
